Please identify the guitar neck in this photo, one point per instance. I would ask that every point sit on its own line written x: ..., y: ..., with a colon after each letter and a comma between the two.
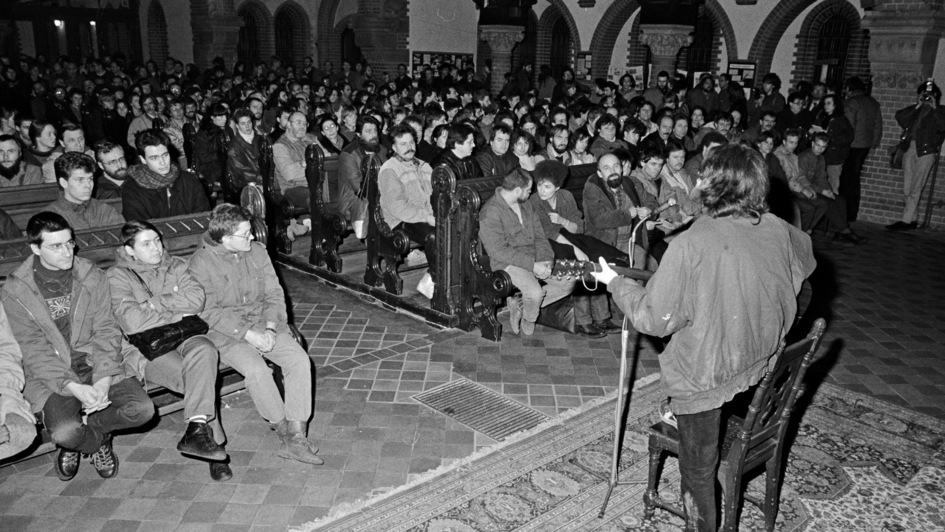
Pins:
x: 584, y: 269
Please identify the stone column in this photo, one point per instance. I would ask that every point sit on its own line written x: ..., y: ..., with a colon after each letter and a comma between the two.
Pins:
x: 664, y: 41
x: 501, y: 39
x: 903, y: 53
x: 216, y: 31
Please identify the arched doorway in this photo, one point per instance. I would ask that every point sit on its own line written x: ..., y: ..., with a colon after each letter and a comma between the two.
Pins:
x: 247, y: 49
x: 292, y: 32
x: 350, y: 51
x: 157, y: 33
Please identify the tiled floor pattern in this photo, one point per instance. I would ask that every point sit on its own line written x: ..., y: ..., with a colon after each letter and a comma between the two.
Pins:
x: 885, y: 338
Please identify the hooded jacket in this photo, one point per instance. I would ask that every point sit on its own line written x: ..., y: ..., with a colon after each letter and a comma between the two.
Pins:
x: 47, y: 355
x: 242, y: 291
x: 174, y: 294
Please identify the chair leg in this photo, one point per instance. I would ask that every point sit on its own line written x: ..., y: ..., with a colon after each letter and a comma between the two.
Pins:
x: 651, y: 495
x: 731, y: 495
x: 772, y: 496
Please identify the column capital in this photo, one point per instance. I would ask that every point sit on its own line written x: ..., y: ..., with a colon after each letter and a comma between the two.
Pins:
x: 501, y: 38
x: 903, y: 44
x: 665, y: 39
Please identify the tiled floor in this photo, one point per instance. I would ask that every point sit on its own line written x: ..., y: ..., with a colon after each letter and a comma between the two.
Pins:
x: 885, y: 303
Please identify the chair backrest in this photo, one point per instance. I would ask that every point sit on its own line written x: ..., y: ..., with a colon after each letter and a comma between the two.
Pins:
x: 770, y: 409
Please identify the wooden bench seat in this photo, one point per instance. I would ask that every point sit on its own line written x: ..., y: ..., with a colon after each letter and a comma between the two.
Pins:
x: 21, y: 203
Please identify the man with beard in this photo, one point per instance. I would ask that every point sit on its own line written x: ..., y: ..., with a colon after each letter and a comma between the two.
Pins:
x: 460, y: 143
x: 256, y: 106
x: 655, y: 95
x: 660, y: 137
x: 405, y: 186
x: 158, y: 188
x: 497, y: 160
x: 76, y: 177
x: 512, y: 235
x: 111, y: 159
x: 14, y: 171
x: 557, y: 148
x: 352, y: 194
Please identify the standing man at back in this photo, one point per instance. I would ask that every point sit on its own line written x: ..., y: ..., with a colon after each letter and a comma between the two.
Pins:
x: 863, y: 112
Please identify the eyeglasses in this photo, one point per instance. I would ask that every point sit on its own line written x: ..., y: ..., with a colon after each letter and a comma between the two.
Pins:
x: 114, y: 162
x: 61, y: 248
x: 247, y: 236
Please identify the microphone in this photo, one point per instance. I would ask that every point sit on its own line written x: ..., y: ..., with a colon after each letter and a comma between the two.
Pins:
x: 671, y: 202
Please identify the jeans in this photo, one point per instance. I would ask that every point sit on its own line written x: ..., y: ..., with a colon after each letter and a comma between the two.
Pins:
x: 534, y: 295
x: 16, y: 435
x: 62, y: 415
x: 191, y: 370
x: 698, y: 466
x: 296, y: 369
x: 915, y: 173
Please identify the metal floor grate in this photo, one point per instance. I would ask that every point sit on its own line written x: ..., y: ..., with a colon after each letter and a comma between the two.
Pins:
x: 481, y: 409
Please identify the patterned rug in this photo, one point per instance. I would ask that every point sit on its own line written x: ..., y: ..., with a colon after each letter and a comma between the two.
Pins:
x: 855, y: 464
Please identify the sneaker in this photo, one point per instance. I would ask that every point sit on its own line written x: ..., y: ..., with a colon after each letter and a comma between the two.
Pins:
x: 295, y: 230
x: 528, y: 327
x: 667, y: 415
x: 198, y: 442
x: 105, y: 460
x: 67, y: 464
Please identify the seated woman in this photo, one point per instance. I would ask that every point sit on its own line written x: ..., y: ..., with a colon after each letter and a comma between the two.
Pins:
x: 522, y: 146
x: 210, y: 145
x: 328, y: 137
x: 557, y: 210
x: 580, y: 140
x: 151, y: 288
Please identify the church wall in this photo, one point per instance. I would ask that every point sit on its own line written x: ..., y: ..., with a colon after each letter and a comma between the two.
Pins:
x: 180, y: 35
x: 438, y: 26
x: 621, y: 59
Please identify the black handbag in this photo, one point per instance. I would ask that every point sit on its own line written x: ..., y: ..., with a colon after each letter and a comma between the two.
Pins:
x: 163, y: 339
x: 898, y: 151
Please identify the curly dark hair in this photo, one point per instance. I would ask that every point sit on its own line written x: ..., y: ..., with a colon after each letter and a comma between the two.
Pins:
x: 735, y: 183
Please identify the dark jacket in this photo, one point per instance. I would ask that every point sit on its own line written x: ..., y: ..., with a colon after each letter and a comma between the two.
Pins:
x: 8, y: 228
x: 352, y: 197
x: 186, y: 196
x: 47, y: 356
x: 242, y: 291
x: 841, y: 136
x: 463, y: 168
x: 927, y: 127
x: 209, y: 149
x: 242, y: 164
x: 492, y: 164
x: 565, y: 206
x: 88, y: 215
x: 601, y: 215
x: 864, y: 115
x: 508, y: 241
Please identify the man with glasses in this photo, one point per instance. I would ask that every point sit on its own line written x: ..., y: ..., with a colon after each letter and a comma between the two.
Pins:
x: 245, y: 308
x: 158, y: 188
x: 61, y: 315
x: 111, y: 159
x: 75, y: 173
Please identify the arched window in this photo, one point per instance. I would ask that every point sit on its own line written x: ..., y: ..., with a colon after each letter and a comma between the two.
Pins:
x: 247, y: 49
x: 157, y: 33
x: 292, y: 34
x: 832, y: 46
x: 561, y: 47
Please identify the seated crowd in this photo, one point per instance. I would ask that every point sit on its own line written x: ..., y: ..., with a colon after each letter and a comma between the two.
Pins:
x: 68, y: 317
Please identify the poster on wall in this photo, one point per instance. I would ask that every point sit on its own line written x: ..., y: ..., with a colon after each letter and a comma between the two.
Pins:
x: 582, y: 66
x: 743, y: 72
x: 637, y: 73
x: 420, y: 60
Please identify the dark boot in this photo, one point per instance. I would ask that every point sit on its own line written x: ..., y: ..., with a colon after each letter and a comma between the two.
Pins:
x: 105, y: 460
x: 295, y: 446
x: 198, y: 442
x: 67, y: 464
x: 220, y: 471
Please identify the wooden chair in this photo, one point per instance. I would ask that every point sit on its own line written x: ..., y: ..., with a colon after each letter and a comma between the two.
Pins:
x: 747, y: 443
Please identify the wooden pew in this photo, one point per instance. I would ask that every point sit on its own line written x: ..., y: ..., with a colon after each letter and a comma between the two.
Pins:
x: 279, y: 212
x: 386, y: 247
x: 328, y: 226
x: 23, y: 202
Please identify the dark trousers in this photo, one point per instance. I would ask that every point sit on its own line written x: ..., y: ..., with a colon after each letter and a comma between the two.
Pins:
x: 423, y: 234
x: 62, y: 416
x: 698, y: 466
x: 850, y: 180
x: 835, y: 212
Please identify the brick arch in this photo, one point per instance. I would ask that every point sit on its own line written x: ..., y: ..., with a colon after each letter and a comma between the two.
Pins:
x: 857, y: 63
x: 546, y: 23
x: 329, y: 39
x: 607, y: 32
x: 301, y: 37
x: 265, y: 36
x: 723, y: 25
x: 157, y: 33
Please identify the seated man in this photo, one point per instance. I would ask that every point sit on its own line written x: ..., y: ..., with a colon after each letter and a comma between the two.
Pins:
x: 17, y: 422
x: 404, y: 184
x: 151, y: 288
x: 805, y: 197
x: 14, y: 171
x: 288, y: 156
x: 158, y: 188
x: 557, y: 149
x: 76, y: 174
x: 352, y: 192
x: 245, y: 308
x: 460, y: 144
x: 606, y: 140
x: 496, y: 159
x: 242, y: 156
x: 71, y: 139
x: 812, y: 166
x: 111, y: 159
x: 61, y: 315
x: 710, y: 140
x: 714, y: 352
x: 512, y: 235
